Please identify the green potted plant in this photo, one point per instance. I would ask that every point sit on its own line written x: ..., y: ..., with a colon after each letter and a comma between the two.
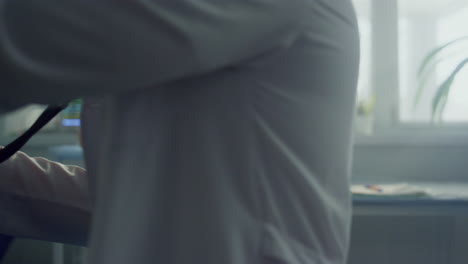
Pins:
x: 364, y: 118
x: 428, y: 64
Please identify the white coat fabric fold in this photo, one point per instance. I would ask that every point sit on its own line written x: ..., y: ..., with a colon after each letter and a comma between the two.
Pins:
x: 214, y: 131
x: 45, y: 200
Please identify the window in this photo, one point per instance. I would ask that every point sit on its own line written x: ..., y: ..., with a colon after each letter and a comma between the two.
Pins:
x: 363, y: 13
x: 424, y: 25
x: 396, y: 35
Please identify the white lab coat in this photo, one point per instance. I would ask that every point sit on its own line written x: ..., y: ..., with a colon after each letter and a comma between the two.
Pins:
x: 215, y: 131
x: 43, y: 199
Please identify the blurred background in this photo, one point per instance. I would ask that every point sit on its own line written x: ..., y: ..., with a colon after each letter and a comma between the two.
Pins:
x: 411, y: 130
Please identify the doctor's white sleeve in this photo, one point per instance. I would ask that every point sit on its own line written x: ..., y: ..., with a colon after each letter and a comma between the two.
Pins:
x: 55, y: 50
x: 45, y: 200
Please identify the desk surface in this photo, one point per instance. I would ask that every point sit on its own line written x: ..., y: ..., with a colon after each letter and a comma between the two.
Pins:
x: 445, y: 199
x: 395, y: 201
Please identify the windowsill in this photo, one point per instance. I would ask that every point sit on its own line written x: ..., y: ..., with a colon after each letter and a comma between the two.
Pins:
x: 407, y: 136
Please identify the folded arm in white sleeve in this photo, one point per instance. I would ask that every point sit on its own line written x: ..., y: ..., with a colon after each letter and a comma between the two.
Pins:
x: 54, y: 50
x: 44, y: 200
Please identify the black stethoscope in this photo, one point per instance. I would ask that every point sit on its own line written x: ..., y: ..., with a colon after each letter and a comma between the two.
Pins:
x: 49, y: 113
x: 9, y: 150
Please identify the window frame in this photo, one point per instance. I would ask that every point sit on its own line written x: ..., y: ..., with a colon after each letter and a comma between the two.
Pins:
x: 387, y: 128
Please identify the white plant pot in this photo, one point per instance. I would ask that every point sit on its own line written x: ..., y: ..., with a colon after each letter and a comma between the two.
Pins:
x: 364, y: 125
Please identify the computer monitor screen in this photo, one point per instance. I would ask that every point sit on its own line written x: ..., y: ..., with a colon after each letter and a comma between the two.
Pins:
x: 71, y: 114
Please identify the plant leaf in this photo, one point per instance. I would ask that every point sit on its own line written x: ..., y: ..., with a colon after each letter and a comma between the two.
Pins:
x: 422, y: 83
x: 436, y: 51
x: 443, y: 90
x: 439, y: 110
x: 427, y: 67
x: 441, y: 95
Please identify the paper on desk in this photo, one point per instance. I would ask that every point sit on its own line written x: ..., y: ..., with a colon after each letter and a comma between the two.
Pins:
x: 398, y: 189
x: 439, y: 191
x: 450, y: 191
